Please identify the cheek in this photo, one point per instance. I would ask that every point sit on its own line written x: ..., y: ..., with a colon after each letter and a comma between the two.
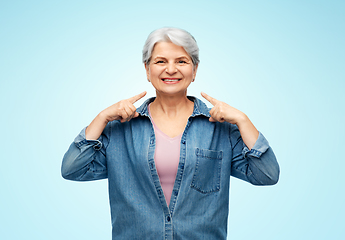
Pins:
x: 189, y: 73
x: 155, y: 72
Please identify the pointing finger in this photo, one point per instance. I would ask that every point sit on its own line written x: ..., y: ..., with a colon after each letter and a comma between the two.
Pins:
x: 211, y: 119
x: 137, y: 97
x: 136, y: 115
x: 212, y: 100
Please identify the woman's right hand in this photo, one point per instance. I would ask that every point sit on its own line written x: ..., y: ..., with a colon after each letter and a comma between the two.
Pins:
x: 123, y: 111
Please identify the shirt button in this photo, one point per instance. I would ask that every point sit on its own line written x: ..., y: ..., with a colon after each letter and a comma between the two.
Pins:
x: 168, y: 218
x: 183, y: 142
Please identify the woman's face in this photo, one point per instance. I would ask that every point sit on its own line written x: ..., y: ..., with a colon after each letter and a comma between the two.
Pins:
x: 171, y: 69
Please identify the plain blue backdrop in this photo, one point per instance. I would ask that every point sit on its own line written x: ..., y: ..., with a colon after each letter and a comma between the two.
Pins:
x: 62, y: 62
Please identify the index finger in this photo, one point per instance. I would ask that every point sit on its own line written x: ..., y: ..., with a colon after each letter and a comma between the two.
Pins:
x: 212, y: 100
x: 137, y: 97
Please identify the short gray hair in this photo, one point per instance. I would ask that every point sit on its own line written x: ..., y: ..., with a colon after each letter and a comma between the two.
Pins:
x: 177, y: 36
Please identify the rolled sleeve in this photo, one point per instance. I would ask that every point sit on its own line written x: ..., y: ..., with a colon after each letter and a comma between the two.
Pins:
x: 85, y: 159
x: 81, y: 142
x: 259, y: 165
x: 261, y: 145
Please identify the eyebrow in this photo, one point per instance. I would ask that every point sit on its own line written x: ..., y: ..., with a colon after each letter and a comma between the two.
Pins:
x: 175, y: 58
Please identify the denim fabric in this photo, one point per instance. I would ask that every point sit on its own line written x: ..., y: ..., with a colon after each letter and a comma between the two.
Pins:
x: 210, y: 154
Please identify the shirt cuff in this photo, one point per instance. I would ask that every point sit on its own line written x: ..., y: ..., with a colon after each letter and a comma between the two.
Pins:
x: 81, y: 142
x: 260, y: 146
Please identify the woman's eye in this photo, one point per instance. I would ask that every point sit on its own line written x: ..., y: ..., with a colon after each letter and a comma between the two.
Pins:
x: 182, y: 62
x: 160, y: 61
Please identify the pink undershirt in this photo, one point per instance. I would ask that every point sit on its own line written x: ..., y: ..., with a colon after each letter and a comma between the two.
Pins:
x: 167, y: 157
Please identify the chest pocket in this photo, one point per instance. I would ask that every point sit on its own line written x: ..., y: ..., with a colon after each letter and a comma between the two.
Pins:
x: 206, y: 178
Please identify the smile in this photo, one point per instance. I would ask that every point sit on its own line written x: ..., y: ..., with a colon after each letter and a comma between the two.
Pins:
x: 171, y: 79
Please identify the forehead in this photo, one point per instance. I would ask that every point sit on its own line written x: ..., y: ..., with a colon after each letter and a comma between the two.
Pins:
x: 168, y: 49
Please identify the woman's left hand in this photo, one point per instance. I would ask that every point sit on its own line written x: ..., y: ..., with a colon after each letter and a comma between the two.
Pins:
x: 223, y: 112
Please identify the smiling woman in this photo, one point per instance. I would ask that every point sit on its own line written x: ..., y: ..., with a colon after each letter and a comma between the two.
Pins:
x: 168, y: 162
x: 170, y: 65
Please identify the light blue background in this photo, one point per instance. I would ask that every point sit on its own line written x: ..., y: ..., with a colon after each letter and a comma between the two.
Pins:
x: 280, y: 62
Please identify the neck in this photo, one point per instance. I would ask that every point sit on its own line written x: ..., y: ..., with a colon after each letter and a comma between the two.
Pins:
x: 171, y: 105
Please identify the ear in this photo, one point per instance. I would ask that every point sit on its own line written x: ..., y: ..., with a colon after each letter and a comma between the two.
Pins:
x: 195, y: 70
x: 147, y: 68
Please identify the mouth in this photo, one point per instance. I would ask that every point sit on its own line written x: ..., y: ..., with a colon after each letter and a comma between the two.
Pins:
x: 171, y: 80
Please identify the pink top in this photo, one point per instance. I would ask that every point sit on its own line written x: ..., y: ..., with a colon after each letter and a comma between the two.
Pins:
x: 167, y: 157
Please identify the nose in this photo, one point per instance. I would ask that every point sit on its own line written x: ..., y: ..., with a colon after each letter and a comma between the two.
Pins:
x: 171, y: 68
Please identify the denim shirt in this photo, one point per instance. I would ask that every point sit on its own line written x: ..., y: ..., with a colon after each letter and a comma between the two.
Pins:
x: 210, y: 153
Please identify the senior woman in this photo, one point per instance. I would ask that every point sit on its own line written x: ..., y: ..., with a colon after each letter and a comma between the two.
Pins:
x: 169, y: 162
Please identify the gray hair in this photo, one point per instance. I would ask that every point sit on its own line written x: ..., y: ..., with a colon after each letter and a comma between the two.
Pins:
x: 177, y: 36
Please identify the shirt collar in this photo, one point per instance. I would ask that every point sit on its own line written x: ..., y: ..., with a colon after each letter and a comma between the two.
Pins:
x: 200, y: 107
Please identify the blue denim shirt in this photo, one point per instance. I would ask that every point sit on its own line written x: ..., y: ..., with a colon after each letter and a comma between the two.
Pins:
x: 210, y: 153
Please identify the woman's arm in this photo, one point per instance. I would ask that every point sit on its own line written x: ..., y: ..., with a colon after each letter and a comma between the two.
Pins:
x: 253, y: 159
x: 258, y: 166
x: 85, y: 159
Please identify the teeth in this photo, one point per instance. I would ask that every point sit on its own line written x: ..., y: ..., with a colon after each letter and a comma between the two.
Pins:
x: 170, y: 80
